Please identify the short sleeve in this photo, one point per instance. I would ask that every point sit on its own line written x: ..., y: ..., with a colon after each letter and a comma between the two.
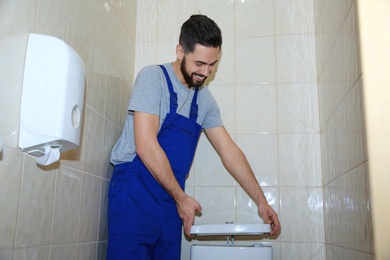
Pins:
x: 147, y: 91
x: 213, y: 115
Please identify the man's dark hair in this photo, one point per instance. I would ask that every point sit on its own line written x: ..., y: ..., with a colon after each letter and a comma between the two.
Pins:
x: 199, y: 29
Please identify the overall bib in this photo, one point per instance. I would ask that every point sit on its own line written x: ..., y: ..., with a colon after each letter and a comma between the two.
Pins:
x: 143, y: 222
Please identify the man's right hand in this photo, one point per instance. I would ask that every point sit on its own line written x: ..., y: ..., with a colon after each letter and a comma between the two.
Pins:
x: 186, y: 207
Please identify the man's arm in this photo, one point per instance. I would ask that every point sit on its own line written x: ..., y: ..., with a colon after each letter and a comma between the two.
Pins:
x: 154, y: 158
x: 236, y: 163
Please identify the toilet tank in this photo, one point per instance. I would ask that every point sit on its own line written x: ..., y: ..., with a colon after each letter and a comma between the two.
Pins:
x: 212, y: 252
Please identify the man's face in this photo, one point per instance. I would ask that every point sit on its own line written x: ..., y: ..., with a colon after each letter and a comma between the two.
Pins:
x: 198, y: 65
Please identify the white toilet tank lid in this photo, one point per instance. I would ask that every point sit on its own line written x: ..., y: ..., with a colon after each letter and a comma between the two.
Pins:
x: 230, y: 229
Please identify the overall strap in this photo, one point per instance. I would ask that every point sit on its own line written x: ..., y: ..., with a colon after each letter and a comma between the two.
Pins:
x: 173, y: 95
x: 194, y: 106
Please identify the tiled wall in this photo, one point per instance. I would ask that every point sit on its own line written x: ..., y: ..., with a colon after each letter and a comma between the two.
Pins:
x: 59, y: 212
x: 312, y: 168
x: 344, y: 161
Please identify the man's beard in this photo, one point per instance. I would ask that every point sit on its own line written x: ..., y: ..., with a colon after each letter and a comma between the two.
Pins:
x: 189, y: 78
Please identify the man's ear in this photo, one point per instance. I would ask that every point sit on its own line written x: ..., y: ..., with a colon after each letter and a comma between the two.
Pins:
x: 179, y: 52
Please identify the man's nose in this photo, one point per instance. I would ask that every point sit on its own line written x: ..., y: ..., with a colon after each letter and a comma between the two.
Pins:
x: 205, y: 70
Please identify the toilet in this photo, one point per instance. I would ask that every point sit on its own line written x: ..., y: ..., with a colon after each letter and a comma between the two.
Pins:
x: 230, y: 251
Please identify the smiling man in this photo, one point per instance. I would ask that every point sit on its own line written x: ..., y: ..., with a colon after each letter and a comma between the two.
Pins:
x: 168, y: 109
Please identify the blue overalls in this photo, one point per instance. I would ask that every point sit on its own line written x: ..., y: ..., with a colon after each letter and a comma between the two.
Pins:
x: 143, y: 222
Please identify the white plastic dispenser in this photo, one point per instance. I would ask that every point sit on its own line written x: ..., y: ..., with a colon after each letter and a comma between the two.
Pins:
x: 52, y: 99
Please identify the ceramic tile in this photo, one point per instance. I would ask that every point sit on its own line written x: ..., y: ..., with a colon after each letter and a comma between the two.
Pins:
x: 63, y: 252
x: 117, y: 38
x: 297, y: 108
x: 147, y: 24
x: 301, y: 214
x: 348, y: 117
x: 103, y: 208
x: 126, y: 89
x: 166, y: 51
x: 66, y: 206
x: 217, y: 204
x: 299, y: 160
x: 256, y: 110
x: 86, y: 251
x: 262, y: 154
x: 111, y: 135
x: 190, y: 191
x: 304, y: 251
x: 78, y: 40
x: 25, y: 23
x: 344, y: 53
x: 333, y: 15
x: 369, y: 207
x: 42, y: 253
x: 89, y: 208
x: 127, y: 67
x: 225, y: 96
x: 146, y: 54
x: 36, y: 204
x: 294, y: 17
x: 169, y: 25
x: 276, y: 250
x: 324, y: 45
x: 185, y: 249
x: 52, y: 18
x: 6, y: 254
x: 335, y: 252
x: 80, y: 13
x: 126, y: 10
x: 247, y: 211
x: 113, y: 94
x: 346, y: 206
x: 222, y: 12
x: 96, y: 87
x: 254, y: 18
x: 99, y: 26
x: 125, y: 59
x: 93, y: 149
x: 190, y: 177
x: 350, y: 153
x: 318, y: 6
x: 208, y: 168
x: 225, y: 71
x: 329, y: 98
x: 363, y: 116
x: 342, y: 141
x: 355, y: 24
x: 295, y: 58
x: 73, y: 158
x: 11, y: 163
x: 337, y: 49
x: 102, y: 250
x: 255, y: 60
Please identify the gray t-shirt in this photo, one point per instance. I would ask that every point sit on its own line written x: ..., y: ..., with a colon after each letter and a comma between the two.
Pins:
x: 151, y: 95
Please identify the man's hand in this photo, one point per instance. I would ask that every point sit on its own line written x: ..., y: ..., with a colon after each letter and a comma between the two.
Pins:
x: 269, y: 216
x: 186, y: 207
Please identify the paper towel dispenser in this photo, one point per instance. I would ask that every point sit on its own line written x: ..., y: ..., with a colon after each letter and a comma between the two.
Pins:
x: 52, y: 98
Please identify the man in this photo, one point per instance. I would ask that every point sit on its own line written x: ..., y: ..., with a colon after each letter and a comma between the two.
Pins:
x: 168, y: 109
